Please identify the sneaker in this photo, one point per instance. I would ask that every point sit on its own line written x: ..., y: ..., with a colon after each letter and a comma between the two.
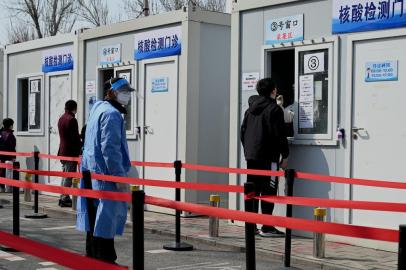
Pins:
x: 272, y: 232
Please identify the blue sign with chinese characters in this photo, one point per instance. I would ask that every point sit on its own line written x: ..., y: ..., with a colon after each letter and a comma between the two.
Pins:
x: 158, y: 43
x: 57, y: 60
x: 362, y: 15
x: 287, y: 29
x: 381, y: 71
x: 160, y: 85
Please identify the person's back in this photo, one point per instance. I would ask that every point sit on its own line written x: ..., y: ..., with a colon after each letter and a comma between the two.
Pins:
x: 7, y: 144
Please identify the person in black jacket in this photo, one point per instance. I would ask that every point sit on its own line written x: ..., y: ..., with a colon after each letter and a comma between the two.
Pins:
x: 7, y: 144
x: 263, y: 136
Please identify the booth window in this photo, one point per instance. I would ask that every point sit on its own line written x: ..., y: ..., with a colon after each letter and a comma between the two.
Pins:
x: 314, y: 92
x: 29, y: 104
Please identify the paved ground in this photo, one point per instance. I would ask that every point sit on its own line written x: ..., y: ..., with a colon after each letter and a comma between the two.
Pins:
x: 338, y: 256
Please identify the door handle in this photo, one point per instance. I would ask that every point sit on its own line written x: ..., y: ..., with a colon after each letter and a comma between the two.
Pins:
x: 356, y: 129
x: 148, y: 130
x: 52, y: 130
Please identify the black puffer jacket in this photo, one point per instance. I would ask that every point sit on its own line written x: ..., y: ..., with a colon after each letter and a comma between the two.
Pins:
x: 263, y: 133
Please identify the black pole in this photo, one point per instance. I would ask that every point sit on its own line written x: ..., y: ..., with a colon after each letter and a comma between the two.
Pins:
x: 290, y: 179
x: 138, y: 200
x: 178, y: 245
x: 249, y: 193
x: 16, y: 200
x: 402, y: 248
x: 36, y: 215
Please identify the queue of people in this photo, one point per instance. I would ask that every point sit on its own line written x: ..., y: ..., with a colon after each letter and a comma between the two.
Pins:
x: 103, y: 146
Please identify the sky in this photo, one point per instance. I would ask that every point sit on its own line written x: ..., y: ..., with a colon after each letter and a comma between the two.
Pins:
x: 5, y: 17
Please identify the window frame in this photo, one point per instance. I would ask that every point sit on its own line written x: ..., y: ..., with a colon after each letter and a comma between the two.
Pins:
x: 29, y: 131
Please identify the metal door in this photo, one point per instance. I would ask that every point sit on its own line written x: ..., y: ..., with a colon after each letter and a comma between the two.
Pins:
x: 379, y: 133
x: 160, y: 83
x: 60, y: 91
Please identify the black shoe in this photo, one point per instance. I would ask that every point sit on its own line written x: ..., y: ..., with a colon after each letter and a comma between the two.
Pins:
x: 65, y: 203
x: 271, y: 232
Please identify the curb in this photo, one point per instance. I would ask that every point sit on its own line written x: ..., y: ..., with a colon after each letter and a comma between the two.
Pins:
x: 305, y: 263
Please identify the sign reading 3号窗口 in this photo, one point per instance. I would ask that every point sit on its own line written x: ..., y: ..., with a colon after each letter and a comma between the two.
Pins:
x: 286, y: 29
x: 57, y: 59
x: 366, y: 15
x: 158, y: 43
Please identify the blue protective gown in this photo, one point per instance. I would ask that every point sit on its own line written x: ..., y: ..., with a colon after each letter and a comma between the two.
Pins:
x: 105, y: 152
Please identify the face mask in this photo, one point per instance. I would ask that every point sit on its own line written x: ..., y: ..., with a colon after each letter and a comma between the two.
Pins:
x: 123, y: 98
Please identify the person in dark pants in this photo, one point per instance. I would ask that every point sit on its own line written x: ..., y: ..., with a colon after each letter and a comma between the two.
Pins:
x: 263, y: 136
x: 70, y: 146
x: 105, y: 152
x: 7, y: 144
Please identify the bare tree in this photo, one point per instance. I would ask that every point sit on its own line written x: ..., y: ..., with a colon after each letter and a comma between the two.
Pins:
x: 135, y: 8
x: 95, y: 12
x: 169, y: 5
x: 47, y: 17
x: 213, y: 5
x: 20, y: 32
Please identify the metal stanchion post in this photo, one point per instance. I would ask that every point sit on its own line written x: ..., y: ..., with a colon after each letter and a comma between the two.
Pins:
x: 137, y: 209
x: 290, y: 179
x: 178, y: 245
x: 402, y: 248
x: 36, y: 215
x: 75, y: 184
x: 214, y: 221
x: 249, y: 193
x: 16, y: 200
x: 319, y: 238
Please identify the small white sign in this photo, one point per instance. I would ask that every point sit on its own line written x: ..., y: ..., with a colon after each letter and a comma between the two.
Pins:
x: 306, y: 114
x: 32, y: 108
x: 110, y: 54
x: 90, y: 87
x: 306, y: 88
x: 34, y: 86
x: 286, y: 29
x: 160, y: 85
x: 314, y: 63
x: 318, y: 90
x: 125, y: 75
x: 249, y: 81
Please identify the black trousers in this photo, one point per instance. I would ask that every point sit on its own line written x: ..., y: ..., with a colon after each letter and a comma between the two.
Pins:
x: 98, y: 247
x: 263, y: 185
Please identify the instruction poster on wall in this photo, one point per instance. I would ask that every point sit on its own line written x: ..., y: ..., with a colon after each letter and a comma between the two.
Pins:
x: 249, y: 81
x: 90, y: 87
x: 306, y: 91
x: 32, y: 109
x: 160, y: 85
x: 381, y: 71
x: 306, y: 114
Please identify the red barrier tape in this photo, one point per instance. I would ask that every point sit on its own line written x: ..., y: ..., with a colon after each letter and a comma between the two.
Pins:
x: 351, y: 181
x: 59, y: 256
x: 6, y: 166
x: 108, y: 195
x: 231, y: 170
x: 16, y: 154
x: 293, y: 223
x: 153, y: 164
x: 362, y: 205
x: 59, y: 157
x: 144, y: 182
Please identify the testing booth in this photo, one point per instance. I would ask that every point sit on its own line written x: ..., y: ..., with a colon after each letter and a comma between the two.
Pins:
x: 339, y: 65
x: 179, y: 64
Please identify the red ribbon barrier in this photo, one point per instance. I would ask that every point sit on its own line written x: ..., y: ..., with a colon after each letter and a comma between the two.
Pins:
x: 96, y: 194
x: 77, y: 159
x: 351, y: 181
x: 16, y: 154
x: 362, y: 205
x: 152, y: 164
x: 59, y: 256
x: 6, y: 166
x: 231, y: 170
x: 292, y: 223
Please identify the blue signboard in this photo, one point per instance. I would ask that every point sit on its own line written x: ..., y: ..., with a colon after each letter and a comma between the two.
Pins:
x: 362, y: 15
x: 158, y: 43
x: 287, y: 29
x: 57, y: 60
x: 160, y: 85
x: 381, y: 71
